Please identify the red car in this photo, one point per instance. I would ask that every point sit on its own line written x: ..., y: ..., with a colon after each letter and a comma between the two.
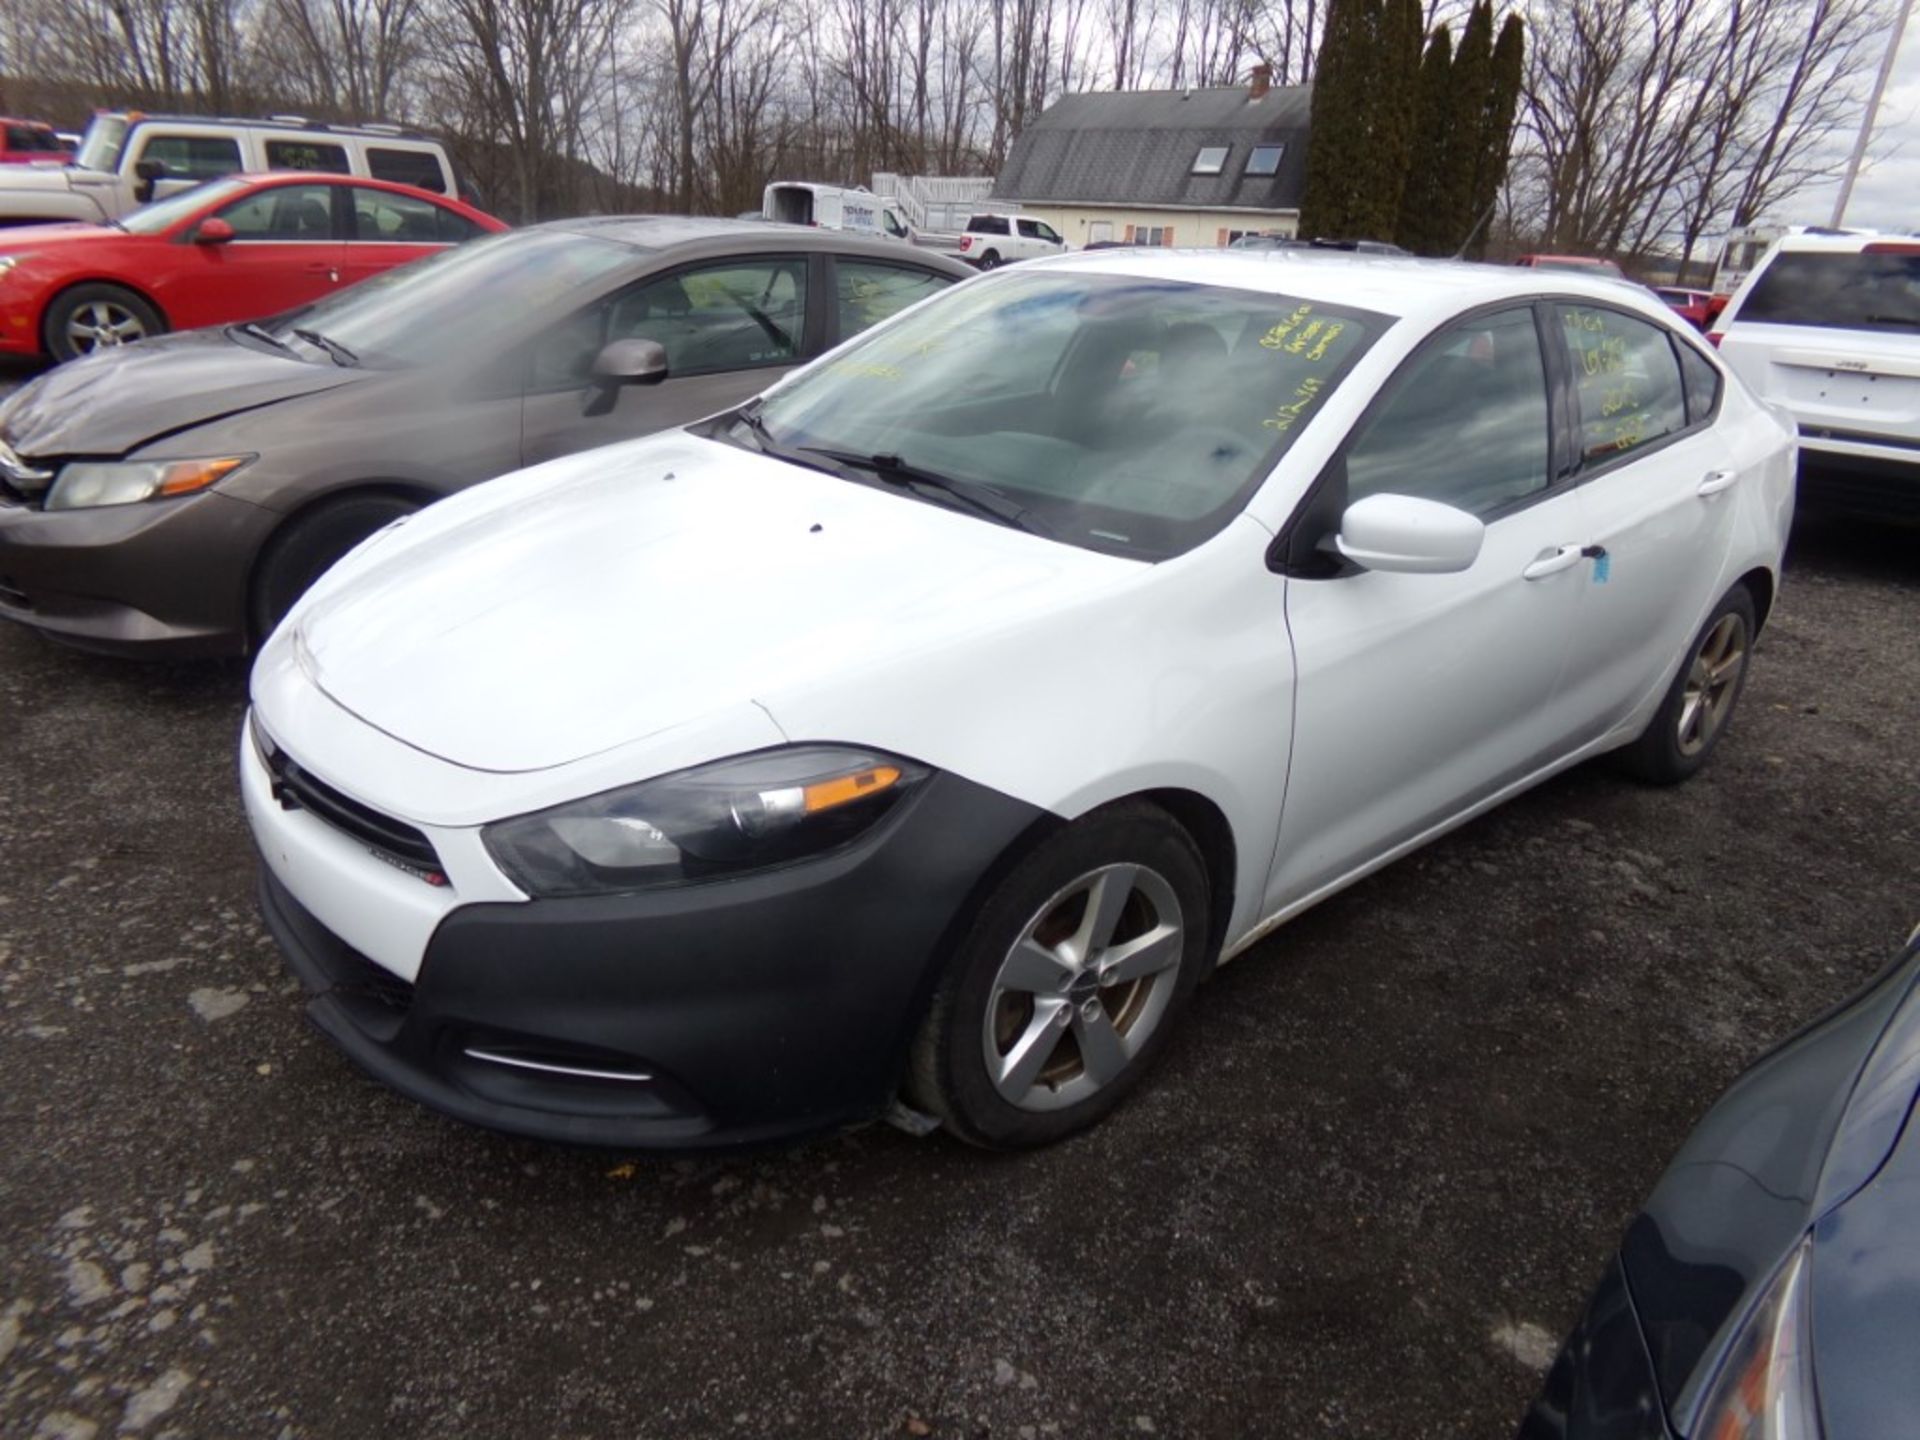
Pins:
x: 1696, y: 307
x: 1580, y: 264
x: 24, y: 141
x: 237, y: 248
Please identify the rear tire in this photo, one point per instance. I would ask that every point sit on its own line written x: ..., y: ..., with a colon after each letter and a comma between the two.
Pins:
x: 97, y: 317
x: 308, y: 546
x: 1698, y: 705
x: 1064, y: 992
x: 990, y: 260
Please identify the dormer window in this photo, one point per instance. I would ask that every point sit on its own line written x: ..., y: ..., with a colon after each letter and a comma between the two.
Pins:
x: 1211, y: 160
x: 1265, y: 159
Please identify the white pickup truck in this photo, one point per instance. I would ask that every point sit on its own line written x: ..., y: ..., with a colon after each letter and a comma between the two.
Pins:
x: 990, y: 241
x: 128, y: 158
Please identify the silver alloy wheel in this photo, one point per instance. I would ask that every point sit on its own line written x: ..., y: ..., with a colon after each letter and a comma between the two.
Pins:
x: 1712, y: 678
x: 101, y: 323
x: 1083, y: 987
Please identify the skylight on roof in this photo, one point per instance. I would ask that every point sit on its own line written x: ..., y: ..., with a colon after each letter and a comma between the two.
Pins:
x: 1265, y: 159
x: 1211, y: 160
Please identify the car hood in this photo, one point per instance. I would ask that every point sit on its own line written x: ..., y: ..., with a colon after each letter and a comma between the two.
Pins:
x: 111, y: 403
x: 608, y: 597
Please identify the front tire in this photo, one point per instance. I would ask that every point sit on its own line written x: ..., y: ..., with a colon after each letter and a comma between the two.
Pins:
x: 1065, y: 990
x: 1695, y: 712
x: 97, y: 317
x: 308, y: 546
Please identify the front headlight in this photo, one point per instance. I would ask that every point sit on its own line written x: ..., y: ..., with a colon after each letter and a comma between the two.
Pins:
x: 86, y: 484
x: 1765, y: 1388
x: 717, y: 820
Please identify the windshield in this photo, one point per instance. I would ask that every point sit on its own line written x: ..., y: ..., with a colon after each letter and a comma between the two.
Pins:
x: 100, y: 146
x: 167, y: 213
x: 1129, y: 415
x: 461, y: 302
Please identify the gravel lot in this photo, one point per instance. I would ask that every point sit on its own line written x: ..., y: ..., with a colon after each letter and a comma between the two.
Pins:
x: 1365, y: 1195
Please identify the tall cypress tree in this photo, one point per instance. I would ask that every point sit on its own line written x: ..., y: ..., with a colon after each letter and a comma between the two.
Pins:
x: 1420, y: 222
x: 1496, y: 124
x: 1467, y: 88
x: 1395, y: 103
x: 1337, y: 161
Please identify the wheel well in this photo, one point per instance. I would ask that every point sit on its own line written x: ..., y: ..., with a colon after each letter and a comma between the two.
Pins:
x: 398, y: 489
x: 134, y: 290
x: 1759, y: 584
x: 1203, y: 820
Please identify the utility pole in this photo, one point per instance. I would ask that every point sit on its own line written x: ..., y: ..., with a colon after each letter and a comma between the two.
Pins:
x: 1867, y: 121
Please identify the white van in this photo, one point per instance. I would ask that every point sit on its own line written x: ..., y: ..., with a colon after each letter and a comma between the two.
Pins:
x: 834, y: 207
x: 128, y: 158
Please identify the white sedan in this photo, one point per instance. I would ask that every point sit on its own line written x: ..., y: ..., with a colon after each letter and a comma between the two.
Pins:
x: 917, y: 737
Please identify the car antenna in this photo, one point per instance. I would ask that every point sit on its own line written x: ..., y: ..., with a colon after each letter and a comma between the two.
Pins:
x: 1485, y: 216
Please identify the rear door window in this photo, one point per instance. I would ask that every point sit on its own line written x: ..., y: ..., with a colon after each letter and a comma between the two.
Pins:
x: 385, y: 217
x: 192, y: 157
x: 1702, y: 383
x: 307, y: 155
x: 419, y: 168
x: 1626, y: 381
x: 1873, y: 289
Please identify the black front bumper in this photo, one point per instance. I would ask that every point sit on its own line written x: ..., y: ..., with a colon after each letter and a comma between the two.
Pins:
x: 758, y: 1010
x: 1602, y: 1385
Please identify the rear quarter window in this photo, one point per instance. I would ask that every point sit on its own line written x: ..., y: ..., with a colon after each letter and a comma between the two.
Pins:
x: 1866, y: 290
x: 419, y: 168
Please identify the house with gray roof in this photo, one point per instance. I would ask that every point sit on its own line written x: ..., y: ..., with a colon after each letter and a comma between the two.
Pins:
x: 1163, y: 167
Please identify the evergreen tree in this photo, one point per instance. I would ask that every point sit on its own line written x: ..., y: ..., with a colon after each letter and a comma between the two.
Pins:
x: 1468, y: 84
x: 1419, y: 227
x: 1335, y: 136
x: 1395, y: 102
x: 1496, y: 133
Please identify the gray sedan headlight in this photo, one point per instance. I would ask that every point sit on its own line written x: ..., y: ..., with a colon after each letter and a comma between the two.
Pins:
x: 86, y: 484
x: 707, y: 823
x: 1765, y: 1388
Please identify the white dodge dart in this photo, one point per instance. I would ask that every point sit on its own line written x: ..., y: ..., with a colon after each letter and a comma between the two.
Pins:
x: 919, y: 736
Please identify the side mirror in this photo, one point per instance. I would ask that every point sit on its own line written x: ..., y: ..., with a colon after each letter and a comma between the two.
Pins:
x: 630, y: 362
x: 622, y: 363
x: 213, y: 231
x: 1406, y: 535
x: 146, y: 172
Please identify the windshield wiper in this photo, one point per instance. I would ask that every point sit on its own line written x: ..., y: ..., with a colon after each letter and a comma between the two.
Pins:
x: 981, y: 499
x: 749, y: 416
x: 338, y: 353
x: 255, y: 331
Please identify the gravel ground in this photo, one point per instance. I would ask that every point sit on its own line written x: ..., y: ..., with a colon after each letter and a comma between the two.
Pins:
x: 1364, y: 1196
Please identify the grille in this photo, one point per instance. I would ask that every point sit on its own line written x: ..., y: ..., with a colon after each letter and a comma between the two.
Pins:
x: 359, y: 978
x: 388, y: 838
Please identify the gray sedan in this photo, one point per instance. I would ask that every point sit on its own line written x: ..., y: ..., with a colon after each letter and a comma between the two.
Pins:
x: 175, y: 497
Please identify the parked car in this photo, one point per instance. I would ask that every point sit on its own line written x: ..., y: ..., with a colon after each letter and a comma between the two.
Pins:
x: 991, y: 241
x: 835, y: 207
x: 1828, y: 325
x: 174, y: 497
x: 1696, y: 307
x: 929, y: 721
x: 30, y: 142
x: 128, y: 159
x: 1578, y: 264
x: 232, y: 249
x: 1770, y: 1288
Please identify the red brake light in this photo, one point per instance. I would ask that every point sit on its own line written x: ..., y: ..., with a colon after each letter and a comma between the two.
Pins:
x: 966, y: 242
x: 1889, y: 247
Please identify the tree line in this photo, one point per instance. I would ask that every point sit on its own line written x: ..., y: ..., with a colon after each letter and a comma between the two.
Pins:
x: 1637, y: 123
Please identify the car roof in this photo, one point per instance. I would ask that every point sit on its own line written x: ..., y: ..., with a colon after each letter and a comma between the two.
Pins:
x: 1386, y: 284
x: 717, y: 235
x: 1845, y: 243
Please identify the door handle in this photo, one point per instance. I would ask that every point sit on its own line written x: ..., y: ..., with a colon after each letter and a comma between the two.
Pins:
x: 1563, y: 557
x: 332, y: 272
x: 1718, y: 480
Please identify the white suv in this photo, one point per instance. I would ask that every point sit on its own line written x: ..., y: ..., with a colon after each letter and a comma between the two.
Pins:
x: 991, y: 241
x: 128, y: 158
x: 1829, y: 326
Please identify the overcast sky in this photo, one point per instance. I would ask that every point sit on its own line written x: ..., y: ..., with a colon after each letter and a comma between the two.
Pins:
x: 1887, y: 195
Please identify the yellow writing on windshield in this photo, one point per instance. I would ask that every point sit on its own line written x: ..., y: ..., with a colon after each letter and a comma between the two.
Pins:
x: 1276, y: 338
x: 1286, y: 415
